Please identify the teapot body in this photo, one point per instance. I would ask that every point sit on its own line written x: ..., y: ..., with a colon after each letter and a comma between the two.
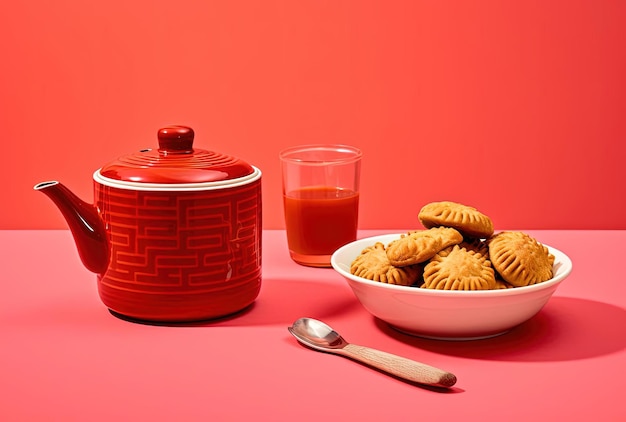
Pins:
x: 180, y: 254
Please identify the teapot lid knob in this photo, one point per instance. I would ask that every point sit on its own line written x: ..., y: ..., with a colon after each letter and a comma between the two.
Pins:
x: 175, y: 140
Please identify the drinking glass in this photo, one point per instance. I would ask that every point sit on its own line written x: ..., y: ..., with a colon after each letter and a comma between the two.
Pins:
x: 321, y: 200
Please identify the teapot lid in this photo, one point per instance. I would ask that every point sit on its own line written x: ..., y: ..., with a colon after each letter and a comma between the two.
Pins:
x: 176, y: 162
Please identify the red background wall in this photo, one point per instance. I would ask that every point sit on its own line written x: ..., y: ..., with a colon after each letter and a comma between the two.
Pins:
x: 516, y: 108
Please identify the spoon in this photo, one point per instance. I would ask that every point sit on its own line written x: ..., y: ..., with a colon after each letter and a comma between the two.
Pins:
x: 321, y: 337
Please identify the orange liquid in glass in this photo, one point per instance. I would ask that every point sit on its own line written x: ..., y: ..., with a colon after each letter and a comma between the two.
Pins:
x: 319, y: 220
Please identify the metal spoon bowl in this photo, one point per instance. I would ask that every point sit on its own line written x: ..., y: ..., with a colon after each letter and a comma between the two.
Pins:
x: 319, y: 336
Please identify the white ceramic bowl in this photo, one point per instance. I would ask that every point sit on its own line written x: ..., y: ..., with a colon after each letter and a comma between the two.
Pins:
x: 447, y: 314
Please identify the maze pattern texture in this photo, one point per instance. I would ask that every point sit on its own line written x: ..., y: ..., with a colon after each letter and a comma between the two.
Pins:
x: 181, y: 242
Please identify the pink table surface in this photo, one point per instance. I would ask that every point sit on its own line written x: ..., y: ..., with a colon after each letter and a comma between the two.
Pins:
x: 63, y: 356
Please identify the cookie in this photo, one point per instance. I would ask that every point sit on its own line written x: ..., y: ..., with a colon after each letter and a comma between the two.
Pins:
x: 501, y: 284
x: 421, y: 245
x: 520, y: 259
x: 467, y: 220
x: 456, y: 268
x: 374, y: 265
x: 477, y: 245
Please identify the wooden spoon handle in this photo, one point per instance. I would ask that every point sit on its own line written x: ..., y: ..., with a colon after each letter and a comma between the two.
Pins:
x: 401, y: 367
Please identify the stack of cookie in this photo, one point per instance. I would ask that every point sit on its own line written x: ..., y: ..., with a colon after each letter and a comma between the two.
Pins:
x: 457, y: 250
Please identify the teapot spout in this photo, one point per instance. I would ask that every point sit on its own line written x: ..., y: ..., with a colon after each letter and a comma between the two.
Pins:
x: 85, y: 224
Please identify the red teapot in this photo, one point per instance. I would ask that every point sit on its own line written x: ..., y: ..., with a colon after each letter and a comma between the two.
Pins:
x: 174, y: 234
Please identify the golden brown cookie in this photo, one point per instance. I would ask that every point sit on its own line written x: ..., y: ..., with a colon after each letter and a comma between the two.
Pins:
x: 374, y: 265
x: 456, y: 268
x: 421, y: 245
x: 476, y: 245
x: 469, y: 221
x: 520, y: 259
x: 501, y: 284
